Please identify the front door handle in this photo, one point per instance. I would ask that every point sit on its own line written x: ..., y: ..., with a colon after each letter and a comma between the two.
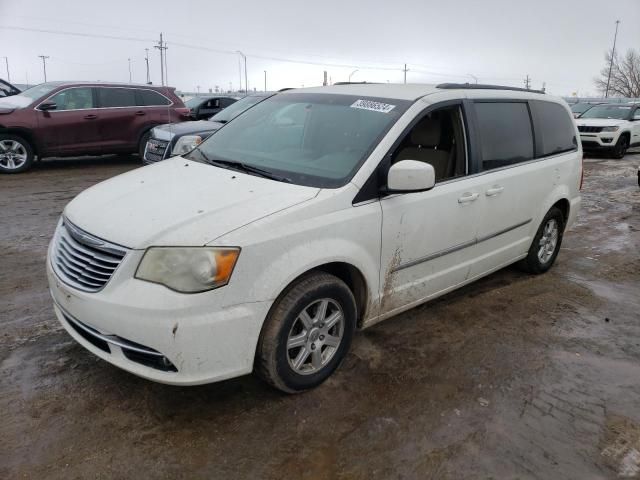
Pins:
x: 140, y: 113
x: 90, y: 117
x: 468, y: 197
x: 495, y: 190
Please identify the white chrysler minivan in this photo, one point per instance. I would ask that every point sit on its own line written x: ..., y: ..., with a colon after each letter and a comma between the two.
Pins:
x: 317, y: 212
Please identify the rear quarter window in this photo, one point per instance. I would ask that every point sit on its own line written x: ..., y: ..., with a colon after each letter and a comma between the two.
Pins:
x: 149, y: 98
x: 506, y: 135
x: 555, y: 131
x: 116, y: 97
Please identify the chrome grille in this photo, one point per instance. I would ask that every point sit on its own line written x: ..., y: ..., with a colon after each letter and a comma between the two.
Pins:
x: 82, y: 260
x: 155, y: 150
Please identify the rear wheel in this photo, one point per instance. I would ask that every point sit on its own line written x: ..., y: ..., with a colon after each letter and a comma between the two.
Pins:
x: 621, y: 147
x: 143, y: 143
x: 16, y: 155
x: 307, y: 333
x: 546, y: 244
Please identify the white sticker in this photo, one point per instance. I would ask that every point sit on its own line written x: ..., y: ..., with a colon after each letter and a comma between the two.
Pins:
x: 373, y: 106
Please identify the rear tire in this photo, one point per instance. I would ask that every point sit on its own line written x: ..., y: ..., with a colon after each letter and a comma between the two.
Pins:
x: 143, y: 143
x: 546, y: 243
x: 16, y: 154
x: 307, y: 333
x: 621, y: 147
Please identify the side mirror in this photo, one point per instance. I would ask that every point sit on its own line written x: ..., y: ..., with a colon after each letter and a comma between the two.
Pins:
x: 410, y: 176
x: 46, y: 106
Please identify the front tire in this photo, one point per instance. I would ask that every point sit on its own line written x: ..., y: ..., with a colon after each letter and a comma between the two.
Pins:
x: 16, y: 154
x: 143, y: 143
x: 546, y: 243
x: 621, y: 147
x: 307, y: 333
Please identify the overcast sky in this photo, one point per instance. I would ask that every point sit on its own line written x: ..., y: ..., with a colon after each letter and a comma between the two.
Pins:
x: 560, y: 42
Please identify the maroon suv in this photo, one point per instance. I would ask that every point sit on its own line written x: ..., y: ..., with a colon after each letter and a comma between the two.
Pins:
x: 82, y: 118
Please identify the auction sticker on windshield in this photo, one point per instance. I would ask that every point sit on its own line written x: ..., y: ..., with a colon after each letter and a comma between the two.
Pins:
x: 373, y: 106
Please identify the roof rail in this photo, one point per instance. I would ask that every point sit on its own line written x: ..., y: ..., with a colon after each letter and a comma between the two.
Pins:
x: 475, y: 86
x: 354, y: 83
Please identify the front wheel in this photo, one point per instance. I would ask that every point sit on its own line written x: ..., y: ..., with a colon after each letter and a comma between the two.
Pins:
x: 142, y: 145
x: 546, y: 244
x: 307, y: 333
x: 621, y: 147
x: 16, y: 155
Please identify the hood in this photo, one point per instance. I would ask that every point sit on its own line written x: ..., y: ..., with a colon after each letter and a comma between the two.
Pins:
x: 168, y: 131
x: 599, y: 122
x: 179, y: 202
x: 9, y: 104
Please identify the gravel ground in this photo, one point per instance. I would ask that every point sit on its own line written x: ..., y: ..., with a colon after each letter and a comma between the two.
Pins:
x: 515, y: 376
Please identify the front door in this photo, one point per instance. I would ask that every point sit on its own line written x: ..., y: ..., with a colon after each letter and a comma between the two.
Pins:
x: 428, y: 238
x: 72, y: 127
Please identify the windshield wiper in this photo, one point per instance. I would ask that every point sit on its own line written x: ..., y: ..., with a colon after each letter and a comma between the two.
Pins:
x: 249, y: 169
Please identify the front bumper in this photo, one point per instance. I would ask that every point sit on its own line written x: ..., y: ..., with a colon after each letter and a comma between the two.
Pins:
x: 599, y: 141
x: 158, y: 334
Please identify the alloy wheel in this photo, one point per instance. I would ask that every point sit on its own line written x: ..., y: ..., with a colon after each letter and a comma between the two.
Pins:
x: 548, y: 241
x: 13, y: 154
x: 315, y: 336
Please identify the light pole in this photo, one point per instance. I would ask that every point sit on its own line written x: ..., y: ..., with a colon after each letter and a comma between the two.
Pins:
x: 351, y: 74
x: 265, y: 80
x: 246, y: 84
x: 6, y: 61
x: 613, y: 53
x: 198, y: 87
x: 146, y: 59
x: 129, y: 60
x: 44, y: 65
x: 474, y: 77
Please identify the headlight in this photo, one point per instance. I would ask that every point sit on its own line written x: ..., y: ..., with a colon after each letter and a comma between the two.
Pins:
x: 186, y: 144
x: 609, y: 129
x: 188, y: 269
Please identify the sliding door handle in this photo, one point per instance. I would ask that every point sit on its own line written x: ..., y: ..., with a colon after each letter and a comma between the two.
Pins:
x: 468, y: 197
x: 493, y: 191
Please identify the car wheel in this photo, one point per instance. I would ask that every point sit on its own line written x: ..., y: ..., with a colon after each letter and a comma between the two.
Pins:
x: 307, y: 333
x: 546, y: 243
x: 16, y: 155
x: 143, y: 143
x: 621, y: 147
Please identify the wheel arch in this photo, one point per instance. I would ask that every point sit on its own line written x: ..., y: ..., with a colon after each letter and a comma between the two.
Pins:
x: 24, y: 133
x: 565, y: 207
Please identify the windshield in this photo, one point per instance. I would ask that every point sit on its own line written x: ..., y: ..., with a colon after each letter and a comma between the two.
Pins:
x: 236, y: 108
x: 608, y: 111
x: 318, y: 140
x: 581, y: 107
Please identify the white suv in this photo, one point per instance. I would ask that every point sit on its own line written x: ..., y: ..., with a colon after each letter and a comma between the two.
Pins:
x: 610, y: 127
x: 315, y: 213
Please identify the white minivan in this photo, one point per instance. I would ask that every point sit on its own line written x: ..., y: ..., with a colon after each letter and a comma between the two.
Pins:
x: 317, y: 212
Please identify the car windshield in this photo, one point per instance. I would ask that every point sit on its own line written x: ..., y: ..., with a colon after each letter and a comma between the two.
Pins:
x: 236, y: 108
x: 318, y: 140
x: 194, y: 102
x: 28, y: 96
x: 618, y: 112
x: 581, y: 107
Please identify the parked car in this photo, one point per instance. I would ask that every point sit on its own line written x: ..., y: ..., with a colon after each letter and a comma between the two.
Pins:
x: 581, y: 107
x: 316, y: 212
x: 612, y: 128
x: 7, y: 90
x: 175, y: 139
x: 201, y: 108
x: 81, y: 118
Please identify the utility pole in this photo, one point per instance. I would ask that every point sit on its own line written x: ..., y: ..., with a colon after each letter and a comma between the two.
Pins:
x: 527, y: 82
x: 198, y: 87
x: 162, y: 47
x: 265, y: 80
x: 405, y: 70
x: 246, y: 83
x: 324, y: 80
x: 6, y: 61
x: 129, y: 69
x: 613, y: 54
x: 146, y: 59
x: 44, y: 65
x: 474, y: 78
x: 544, y: 87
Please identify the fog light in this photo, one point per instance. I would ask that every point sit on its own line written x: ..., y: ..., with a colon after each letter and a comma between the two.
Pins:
x: 606, y: 139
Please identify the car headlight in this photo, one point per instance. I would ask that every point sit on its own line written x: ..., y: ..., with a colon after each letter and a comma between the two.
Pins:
x: 188, y: 269
x: 186, y: 144
x: 609, y: 129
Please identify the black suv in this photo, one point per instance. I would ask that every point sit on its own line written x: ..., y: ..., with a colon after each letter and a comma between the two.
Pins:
x: 175, y: 139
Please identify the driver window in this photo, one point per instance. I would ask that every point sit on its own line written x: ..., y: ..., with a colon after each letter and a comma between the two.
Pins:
x: 437, y: 139
x: 73, y: 99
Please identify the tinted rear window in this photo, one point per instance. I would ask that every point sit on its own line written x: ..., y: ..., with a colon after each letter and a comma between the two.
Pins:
x: 554, y: 127
x: 505, y: 133
x: 149, y: 98
x: 116, y: 97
